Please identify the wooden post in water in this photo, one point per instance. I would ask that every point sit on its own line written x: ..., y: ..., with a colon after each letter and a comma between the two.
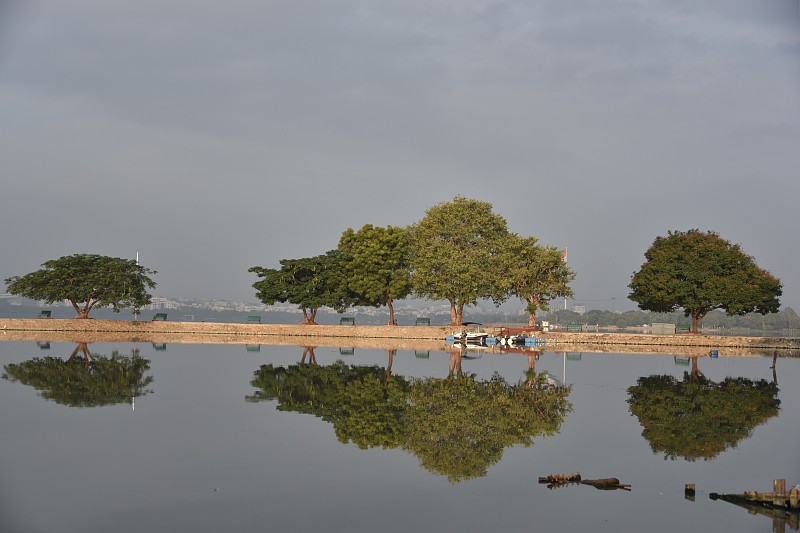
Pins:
x: 779, y: 492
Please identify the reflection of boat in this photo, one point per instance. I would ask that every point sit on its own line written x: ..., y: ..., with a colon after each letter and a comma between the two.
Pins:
x: 547, y: 380
x: 516, y: 339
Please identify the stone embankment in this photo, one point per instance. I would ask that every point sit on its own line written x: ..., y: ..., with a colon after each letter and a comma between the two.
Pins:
x: 399, y: 337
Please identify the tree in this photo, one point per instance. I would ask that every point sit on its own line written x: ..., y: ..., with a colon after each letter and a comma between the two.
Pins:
x: 88, y: 381
x: 696, y: 418
x: 364, y: 404
x: 377, y: 265
x: 459, y: 427
x: 454, y: 254
x: 309, y: 283
x: 700, y: 271
x: 536, y: 274
x: 87, y: 281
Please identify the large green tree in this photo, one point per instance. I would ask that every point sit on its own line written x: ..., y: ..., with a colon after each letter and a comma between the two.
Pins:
x: 455, y: 252
x: 87, y: 281
x: 700, y: 271
x: 536, y: 274
x: 696, y: 418
x: 309, y: 283
x: 377, y: 266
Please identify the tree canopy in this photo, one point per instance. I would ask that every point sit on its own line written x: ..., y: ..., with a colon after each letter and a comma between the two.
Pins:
x: 88, y: 381
x: 536, y: 274
x: 87, y: 281
x: 696, y: 418
x: 377, y: 265
x: 309, y: 283
x: 700, y: 271
x: 457, y: 427
x: 454, y: 254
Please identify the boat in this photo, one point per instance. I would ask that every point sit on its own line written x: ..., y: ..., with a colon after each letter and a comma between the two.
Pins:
x: 469, y: 337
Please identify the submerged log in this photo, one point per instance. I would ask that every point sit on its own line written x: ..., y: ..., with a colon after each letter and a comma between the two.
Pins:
x: 609, y: 483
x: 560, y: 480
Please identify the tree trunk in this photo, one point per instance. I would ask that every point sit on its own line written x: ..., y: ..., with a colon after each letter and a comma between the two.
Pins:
x: 697, y: 316
x: 389, y: 365
x: 391, y: 312
x: 455, y: 365
x: 82, y: 313
x: 532, y: 316
x: 309, y: 315
x: 309, y: 351
x: 455, y: 315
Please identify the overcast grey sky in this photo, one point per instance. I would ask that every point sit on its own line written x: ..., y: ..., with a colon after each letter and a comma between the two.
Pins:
x: 214, y: 136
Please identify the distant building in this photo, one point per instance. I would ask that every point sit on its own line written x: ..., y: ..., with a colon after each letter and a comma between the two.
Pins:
x: 580, y: 309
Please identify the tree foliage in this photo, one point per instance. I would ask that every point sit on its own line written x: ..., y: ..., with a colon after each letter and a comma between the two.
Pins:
x: 457, y: 427
x: 696, y: 418
x: 87, y: 281
x: 88, y: 381
x: 536, y: 274
x: 454, y: 254
x: 309, y: 283
x: 698, y: 272
x: 364, y: 406
x: 377, y: 265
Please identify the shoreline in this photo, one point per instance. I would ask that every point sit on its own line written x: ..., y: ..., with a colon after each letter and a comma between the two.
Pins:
x: 388, y: 337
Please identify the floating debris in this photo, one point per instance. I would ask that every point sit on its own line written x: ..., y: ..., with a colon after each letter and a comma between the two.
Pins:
x: 560, y: 480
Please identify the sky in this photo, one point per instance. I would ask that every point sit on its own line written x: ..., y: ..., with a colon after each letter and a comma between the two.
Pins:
x: 210, y: 137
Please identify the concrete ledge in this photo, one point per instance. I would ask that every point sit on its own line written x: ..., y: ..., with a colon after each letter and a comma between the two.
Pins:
x: 397, y: 337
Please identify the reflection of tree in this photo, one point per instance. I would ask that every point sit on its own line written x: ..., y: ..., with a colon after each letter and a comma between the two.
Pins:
x: 88, y: 381
x: 696, y: 418
x: 458, y: 427
x: 362, y: 403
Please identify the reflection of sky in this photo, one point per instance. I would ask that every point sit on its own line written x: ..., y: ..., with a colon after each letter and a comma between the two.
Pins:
x: 158, y: 467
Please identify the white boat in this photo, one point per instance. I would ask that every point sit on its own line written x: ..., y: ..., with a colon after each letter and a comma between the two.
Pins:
x: 470, y: 337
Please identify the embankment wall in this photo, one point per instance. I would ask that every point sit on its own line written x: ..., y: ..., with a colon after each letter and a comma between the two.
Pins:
x: 399, y: 337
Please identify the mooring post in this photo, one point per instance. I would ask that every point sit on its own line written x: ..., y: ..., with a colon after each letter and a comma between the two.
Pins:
x: 779, y: 492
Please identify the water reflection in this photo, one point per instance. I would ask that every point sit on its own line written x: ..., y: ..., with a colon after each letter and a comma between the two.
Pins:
x: 84, y: 379
x: 458, y: 426
x: 697, y: 418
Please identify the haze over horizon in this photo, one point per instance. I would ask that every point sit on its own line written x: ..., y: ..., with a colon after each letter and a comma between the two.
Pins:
x: 212, y: 137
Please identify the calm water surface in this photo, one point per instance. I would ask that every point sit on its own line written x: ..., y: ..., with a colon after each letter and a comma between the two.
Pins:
x: 205, y: 447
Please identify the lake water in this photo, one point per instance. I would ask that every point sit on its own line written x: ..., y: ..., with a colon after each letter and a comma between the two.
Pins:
x: 213, y: 443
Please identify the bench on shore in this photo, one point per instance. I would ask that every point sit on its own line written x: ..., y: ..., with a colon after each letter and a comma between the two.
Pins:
x: 45, y: 314
x: 347, y: 321
x: 254, y: 319
x: 160, y: 317
x: 422, y: 321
